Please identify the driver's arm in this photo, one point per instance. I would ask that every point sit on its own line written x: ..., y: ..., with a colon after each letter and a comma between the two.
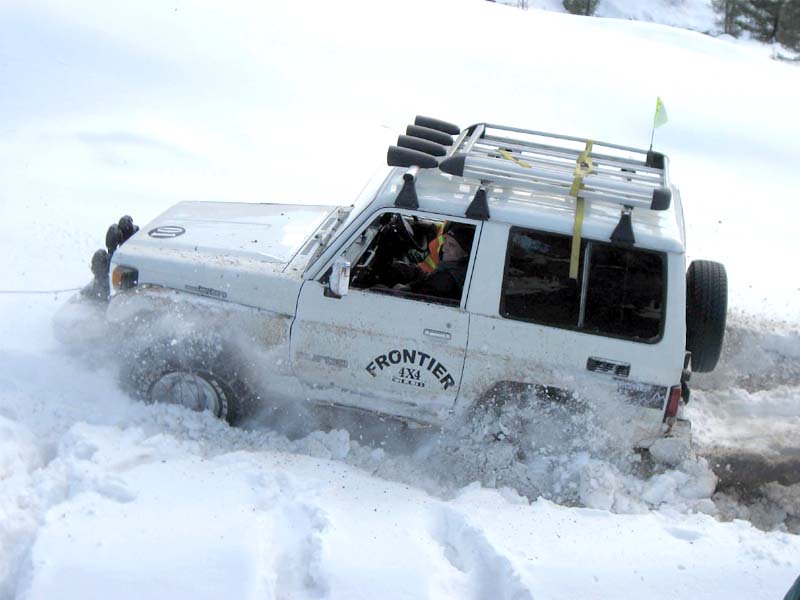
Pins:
x: 441, y: 283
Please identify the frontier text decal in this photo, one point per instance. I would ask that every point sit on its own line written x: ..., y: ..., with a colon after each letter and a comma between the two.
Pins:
x: 412, y: 364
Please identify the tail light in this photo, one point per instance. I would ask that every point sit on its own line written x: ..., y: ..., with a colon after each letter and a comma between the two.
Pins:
x: 674, y: 401
x: 124, y: 278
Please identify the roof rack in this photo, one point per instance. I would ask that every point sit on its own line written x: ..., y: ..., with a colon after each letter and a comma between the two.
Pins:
x: 548, y: 163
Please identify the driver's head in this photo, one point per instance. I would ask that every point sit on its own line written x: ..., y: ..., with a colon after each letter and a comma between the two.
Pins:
x: 457, y: 241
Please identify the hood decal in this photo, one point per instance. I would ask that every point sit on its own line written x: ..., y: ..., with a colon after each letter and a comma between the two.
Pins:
x: 166, y: 231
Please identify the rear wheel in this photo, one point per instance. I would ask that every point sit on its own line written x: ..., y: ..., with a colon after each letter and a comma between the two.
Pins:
x: 516, y: 412
x: 200, y: 374
x: 706, y: 311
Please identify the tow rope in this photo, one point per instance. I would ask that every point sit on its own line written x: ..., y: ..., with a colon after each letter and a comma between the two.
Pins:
x: 39, y: 291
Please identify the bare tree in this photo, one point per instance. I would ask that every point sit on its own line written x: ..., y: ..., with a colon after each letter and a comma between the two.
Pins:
x: 581, y: 7
x: 766, y: 20
x: 763, y: 18
x: 789, y: 30
x: 730, y: 12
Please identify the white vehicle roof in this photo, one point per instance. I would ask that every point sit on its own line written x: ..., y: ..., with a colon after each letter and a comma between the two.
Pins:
x: 450, y: 195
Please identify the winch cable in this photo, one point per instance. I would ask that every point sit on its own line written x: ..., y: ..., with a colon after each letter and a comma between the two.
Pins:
x: 40, y: 291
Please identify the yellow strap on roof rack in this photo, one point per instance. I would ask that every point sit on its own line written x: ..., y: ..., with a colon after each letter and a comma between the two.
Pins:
x: 583, y: 167
x: 508, y: 156
x: 575, y: 256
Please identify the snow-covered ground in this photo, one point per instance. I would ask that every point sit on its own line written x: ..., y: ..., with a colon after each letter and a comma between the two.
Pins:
x: 128, y: 109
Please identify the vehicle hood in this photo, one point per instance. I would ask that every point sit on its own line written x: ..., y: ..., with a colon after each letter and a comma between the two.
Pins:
x: 270, y: 233
x: 238, y: 253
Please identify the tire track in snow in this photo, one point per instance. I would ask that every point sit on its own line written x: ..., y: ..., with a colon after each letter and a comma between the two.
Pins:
x: 746, y: 413
x: 291, y: 542
x: 746, y: 422
x: 466, y: 548
x: 32, y: 484
x: 20, y: 509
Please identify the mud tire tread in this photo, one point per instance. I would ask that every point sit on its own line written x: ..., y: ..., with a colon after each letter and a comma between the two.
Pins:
x: 706, y: 311
x: 208, y: 358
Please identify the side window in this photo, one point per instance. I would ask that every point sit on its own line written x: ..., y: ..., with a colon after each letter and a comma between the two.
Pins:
x: 625, y: 292
x: 414, y: 257
x: 536, y: 285
x: 619, y: 291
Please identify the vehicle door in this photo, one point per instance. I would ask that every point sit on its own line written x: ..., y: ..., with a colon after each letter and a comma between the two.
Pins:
x: 378, y: 347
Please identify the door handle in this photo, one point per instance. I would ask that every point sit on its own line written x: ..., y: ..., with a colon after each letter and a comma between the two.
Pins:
x: 439, y: 335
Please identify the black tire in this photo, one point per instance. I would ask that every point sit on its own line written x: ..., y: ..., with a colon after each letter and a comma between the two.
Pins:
x: 508, y: 409
x: 706, y: 312
x: 200, y: 363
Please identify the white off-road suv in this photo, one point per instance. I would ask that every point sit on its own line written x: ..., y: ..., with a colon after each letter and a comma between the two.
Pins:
x: 573, y: 283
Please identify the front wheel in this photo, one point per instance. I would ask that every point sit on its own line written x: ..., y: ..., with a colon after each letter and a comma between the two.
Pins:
x: 200, y: 374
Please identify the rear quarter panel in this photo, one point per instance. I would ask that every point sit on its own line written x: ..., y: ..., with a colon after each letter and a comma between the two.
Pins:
x: 501, y: 349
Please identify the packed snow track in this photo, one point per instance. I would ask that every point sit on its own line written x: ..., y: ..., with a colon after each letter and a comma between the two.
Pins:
x: 91, y: 479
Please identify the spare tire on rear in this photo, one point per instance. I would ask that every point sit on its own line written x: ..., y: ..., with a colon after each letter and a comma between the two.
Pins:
x: 706, y: 310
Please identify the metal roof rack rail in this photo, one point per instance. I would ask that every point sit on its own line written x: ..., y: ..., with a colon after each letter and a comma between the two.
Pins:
x: 535, y: 161
x: 548, y: 163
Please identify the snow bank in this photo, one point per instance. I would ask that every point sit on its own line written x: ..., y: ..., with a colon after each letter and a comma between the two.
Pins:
x: 137, y: 513
x: 132, y: 500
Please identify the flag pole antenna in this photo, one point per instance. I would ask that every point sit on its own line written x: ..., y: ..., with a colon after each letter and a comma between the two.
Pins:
x: 659, y: 118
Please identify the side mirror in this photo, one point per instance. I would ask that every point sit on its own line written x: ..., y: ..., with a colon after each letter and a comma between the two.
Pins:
x: 339, y: 281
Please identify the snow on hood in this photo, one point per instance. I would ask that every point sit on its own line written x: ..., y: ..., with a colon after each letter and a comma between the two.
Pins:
x: 272, y: 233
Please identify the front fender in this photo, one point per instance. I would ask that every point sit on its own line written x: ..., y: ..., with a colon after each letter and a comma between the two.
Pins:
x: 152, y: 313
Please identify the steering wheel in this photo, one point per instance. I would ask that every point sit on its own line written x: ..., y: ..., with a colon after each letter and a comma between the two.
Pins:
x: 406, y: 233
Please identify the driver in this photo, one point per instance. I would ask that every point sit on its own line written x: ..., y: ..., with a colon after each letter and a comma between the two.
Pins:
x: 447, y: 279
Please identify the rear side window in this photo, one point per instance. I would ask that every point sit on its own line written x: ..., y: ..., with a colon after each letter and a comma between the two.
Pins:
x: 536, y: 286
x: 619, y: 292
x: 625, y: 292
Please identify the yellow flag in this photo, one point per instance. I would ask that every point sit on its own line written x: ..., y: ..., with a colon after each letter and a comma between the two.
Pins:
x: 661, y: 113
